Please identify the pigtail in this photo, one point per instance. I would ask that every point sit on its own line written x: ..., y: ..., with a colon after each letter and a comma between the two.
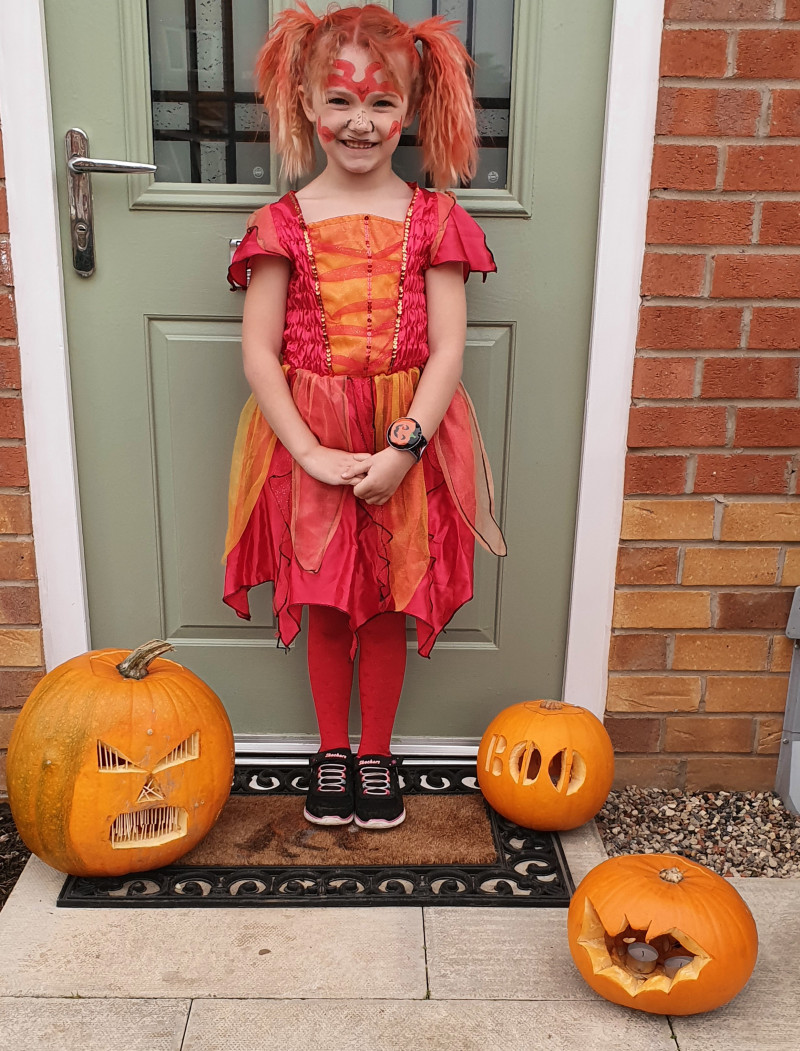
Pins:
x: 448, y: 131
x: 279, y: 73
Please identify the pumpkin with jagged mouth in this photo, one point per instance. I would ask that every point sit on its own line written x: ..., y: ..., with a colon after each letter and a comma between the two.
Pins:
x: 662, y: 934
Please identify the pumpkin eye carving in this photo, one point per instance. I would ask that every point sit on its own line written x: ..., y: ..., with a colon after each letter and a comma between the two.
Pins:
x: 111, y: 760
x: 182, y: 753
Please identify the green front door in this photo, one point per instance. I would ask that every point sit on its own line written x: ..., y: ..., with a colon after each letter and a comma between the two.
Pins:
x: 155, y: 365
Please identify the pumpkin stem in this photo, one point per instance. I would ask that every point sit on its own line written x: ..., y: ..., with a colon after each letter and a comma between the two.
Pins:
x: 551, y: 706
x: 136, y: 663
x: 671, y: 875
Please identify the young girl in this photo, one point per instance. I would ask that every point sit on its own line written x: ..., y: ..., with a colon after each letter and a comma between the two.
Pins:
x: 359, y: 480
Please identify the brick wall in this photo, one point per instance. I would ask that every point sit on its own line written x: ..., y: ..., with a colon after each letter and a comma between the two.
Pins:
x: 20, y: 628
x: 709, y: 550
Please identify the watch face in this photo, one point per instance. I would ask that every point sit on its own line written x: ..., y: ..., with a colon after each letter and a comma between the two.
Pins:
x: 404, y: 433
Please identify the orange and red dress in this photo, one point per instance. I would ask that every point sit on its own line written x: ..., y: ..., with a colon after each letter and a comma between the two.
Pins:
x: 354, y: 346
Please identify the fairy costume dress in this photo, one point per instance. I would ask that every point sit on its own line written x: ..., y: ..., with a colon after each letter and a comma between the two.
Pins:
x: 354, y: 346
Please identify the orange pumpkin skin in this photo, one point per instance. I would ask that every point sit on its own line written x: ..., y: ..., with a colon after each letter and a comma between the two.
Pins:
x: 91, y: 747
x: 702, y: 912
x: 527, y: 743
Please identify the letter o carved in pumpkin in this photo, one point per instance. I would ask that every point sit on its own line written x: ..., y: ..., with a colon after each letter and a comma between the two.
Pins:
x: 546, y: 765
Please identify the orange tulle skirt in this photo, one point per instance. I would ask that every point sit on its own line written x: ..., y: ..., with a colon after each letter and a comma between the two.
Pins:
x: 319, y: 544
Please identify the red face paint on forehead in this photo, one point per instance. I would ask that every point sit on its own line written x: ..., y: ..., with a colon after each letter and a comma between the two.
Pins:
x: 344, y: 78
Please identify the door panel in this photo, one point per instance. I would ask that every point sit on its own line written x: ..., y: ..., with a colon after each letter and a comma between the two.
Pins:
x: 156, y: 369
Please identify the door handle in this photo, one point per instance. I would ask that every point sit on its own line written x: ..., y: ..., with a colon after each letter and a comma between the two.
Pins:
x: 81, y: 214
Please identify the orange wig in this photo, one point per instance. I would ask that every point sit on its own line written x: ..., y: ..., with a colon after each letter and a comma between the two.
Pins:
x: 302, y: 48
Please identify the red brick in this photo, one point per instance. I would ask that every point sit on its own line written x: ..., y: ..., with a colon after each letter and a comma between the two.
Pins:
x: 768, y: 53
x: 792, y: 11
x: 675, y: 426
x: 666, y: 274
x: 16, y: 686
x: 647, y: 565
x: 2, y: 159
x: 649, y: 771
x: 6, y: 273
x: 638, y: 652
x: 776, y: 428
x: 9, y: 368
x: 718, y: 10
x: 690, y: 328
x: 736, y: 473
x: 752, y: 609
x: 11, y: 425
x: 714, y: 222
x: 774, y: 328
x: 15, y: 513
x: 680, y: 167
x: 17, y: 560
x: 742, y: 774
x: 750, y: 377
x: 656, y: 475
x: 3, y: 211
x: 633, y: 733
x: 770, y: 733
x: 780, y: 222
x: 13, y: 465
x: 707, y: 111
x: 8, y: 324
x: 756, y: 276
x: 697, y: 733
x: 19, y: 605
x: 762, y: 168
x: 785, y: 115
x: 663, y: 377
x: 694, y: 53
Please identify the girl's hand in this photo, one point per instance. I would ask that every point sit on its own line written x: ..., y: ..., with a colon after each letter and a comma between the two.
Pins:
x: 334, y: 466
x: 384, y: 472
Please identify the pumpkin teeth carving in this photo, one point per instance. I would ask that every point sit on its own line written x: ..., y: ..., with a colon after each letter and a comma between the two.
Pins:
x: 147, y: 828
x: 182, y: 753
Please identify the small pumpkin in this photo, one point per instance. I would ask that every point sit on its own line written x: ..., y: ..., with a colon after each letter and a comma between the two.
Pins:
x: 119, y: 761
x: 546, y: 764
x: 662, y: 934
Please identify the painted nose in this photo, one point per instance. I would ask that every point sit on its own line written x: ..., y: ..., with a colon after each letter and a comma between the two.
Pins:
x: 360, y: 122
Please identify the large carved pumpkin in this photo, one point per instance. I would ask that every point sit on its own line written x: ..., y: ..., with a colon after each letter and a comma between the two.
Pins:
x: 118, y: 762
x: 546, y: 765
x: 660, y: 933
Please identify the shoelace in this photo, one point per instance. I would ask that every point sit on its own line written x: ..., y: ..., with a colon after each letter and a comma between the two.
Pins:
x: 375, y: 780
x: 331, y: 777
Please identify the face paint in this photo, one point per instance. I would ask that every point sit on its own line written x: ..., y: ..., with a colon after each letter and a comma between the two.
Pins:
x: 395, y: 129
x: 325, y: 133
x: 344, y: 78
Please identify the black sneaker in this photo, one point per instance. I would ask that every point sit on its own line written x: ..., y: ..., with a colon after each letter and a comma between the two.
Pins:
x: 379, y: 802
x: 330, y: 788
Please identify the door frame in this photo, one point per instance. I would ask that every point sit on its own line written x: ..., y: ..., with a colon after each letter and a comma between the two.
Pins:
x: 30, y: 163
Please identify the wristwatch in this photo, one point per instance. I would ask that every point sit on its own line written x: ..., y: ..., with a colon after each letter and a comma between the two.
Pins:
x: 406, y: 435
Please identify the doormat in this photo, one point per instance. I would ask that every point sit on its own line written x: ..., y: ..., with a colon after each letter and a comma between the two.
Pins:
x: 452, y: 849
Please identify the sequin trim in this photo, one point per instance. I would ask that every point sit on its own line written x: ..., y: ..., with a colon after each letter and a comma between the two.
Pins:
x: 315, y: 274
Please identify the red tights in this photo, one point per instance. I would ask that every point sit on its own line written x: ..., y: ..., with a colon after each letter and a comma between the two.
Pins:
x: 381, y: 667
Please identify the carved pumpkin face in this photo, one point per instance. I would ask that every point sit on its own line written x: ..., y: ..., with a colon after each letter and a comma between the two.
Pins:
x: 110, y: 775
x: 662, y: 934
x: 546, y: 765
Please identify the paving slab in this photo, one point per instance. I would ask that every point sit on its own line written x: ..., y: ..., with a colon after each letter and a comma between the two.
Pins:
x: 435, y: 1025
x: 92, y: 1025
x: 498, y: 953
x: 765, y: 1016
x: 583, y: 849
x: 348, y: 952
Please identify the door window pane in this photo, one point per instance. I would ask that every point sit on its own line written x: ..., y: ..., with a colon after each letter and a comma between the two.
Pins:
x: 207, y: 127
x: 486, y: 30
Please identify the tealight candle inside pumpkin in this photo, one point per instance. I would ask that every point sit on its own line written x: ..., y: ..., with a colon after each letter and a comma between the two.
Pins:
x: 674, y: 963
x: 642, y: 957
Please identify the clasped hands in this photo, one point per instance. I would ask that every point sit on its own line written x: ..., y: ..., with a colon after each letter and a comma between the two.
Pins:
x: 373, y: 476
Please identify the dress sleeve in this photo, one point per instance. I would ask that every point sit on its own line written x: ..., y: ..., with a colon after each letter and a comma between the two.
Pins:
x: 261, y: 239
x: 459, y: 239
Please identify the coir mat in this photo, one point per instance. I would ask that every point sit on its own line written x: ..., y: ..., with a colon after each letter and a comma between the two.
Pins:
x: 452, y: 849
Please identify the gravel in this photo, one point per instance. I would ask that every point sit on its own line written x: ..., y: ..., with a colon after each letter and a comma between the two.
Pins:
x: 733, y: 833
x: 13, y: 853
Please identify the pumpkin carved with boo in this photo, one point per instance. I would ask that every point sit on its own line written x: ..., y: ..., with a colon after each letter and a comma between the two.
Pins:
x: 661, y: 934
x: 546, y: 765
x: 118, y: 762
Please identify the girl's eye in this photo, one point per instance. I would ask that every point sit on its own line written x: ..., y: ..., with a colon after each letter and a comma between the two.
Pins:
x: 384, y: 104
x: 337, y: 101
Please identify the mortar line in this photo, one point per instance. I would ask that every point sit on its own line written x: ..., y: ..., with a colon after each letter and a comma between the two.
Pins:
x: 425, y: 952
x: 672, y: 1032
x: 186, y: 1026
